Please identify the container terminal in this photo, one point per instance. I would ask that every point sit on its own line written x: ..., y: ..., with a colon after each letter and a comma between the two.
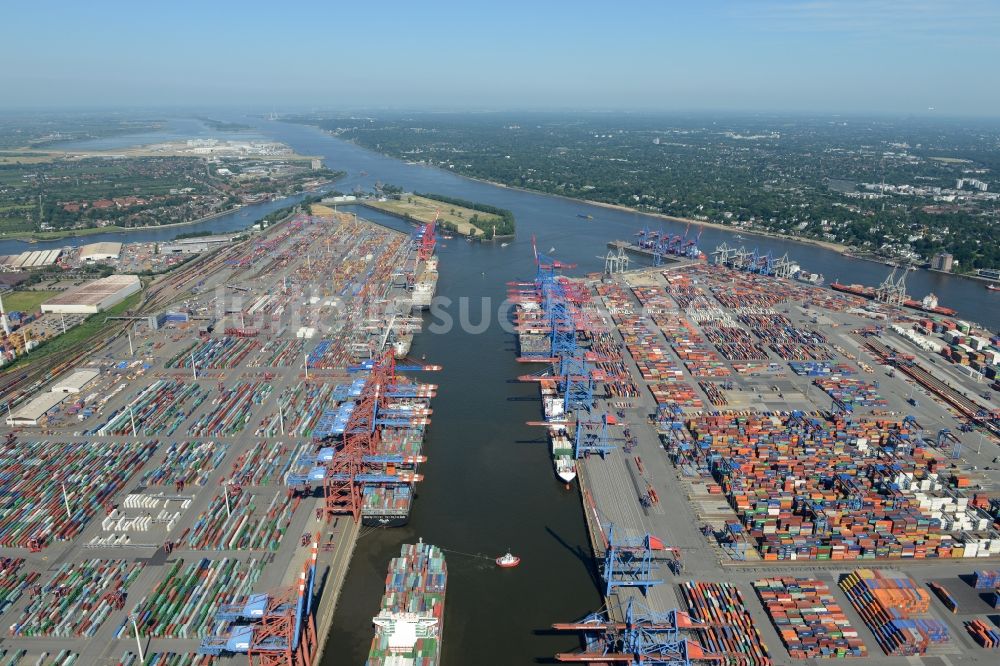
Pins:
x: 771, y: 470
x: 190, y: 490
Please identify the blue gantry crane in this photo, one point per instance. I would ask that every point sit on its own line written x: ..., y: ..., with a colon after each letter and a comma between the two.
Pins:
x: 642, y: 637
x: 271, y: 629
x: 592, y: 435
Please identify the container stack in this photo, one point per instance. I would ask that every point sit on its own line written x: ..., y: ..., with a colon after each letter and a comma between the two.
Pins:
x: 187, y: 463
x: 985, y: 635
x: 78, y: 599
x: 186, y: 600
x: 167, y: 659
x: 942, y: 593
x: 731, y: 631
x: 817, y: 487
x: 987, y: 579
x: 888, y: 605
x: 851, y: 391
x: 13, y: 581
x: 32, y: 506
x: 159, y: 408
x: 808, y: 618
x: 234, y: 410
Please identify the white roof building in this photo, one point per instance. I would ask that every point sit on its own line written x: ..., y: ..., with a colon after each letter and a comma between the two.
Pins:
x: 74, y: 383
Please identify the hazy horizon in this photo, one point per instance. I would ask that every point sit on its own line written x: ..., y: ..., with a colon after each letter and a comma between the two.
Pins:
x: 853, y: 58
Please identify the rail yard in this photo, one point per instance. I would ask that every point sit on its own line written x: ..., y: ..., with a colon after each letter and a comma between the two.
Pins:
x: 771, y: 472
x: 193, y: 492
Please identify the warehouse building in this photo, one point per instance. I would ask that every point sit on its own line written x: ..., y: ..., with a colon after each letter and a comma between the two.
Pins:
x: 29, y: 259
x: 95, y: 296
x: 100, y: 252
x: 195, y: 245
x: 30, y: 413
x: 74, y: 383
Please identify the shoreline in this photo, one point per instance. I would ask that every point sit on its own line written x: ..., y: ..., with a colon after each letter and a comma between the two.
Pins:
x: 114, y: 229
x: 827, y: 245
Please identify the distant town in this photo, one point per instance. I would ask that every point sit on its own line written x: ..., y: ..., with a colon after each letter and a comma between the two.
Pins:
x: 895, y: 191
x: 49, y: 194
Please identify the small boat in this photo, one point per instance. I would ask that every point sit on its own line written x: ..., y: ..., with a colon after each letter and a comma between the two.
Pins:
x: 504, y: 244
x: 551, y: 250
x: 508, y: 561
x: 992, y: 287
x: 585, y: 216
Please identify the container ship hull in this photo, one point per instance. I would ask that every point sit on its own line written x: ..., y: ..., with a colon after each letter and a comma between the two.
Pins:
x: 385, y: 520
x: 562, y: 455
x: 425, y: 285
x: 410, y: 624
x: 869, y: 292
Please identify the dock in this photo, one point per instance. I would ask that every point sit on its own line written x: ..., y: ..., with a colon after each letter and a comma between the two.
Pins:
x: 687, y: 360
x: 163, y: 492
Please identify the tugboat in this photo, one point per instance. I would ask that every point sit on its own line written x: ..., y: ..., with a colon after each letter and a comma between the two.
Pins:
x: 508, y: 561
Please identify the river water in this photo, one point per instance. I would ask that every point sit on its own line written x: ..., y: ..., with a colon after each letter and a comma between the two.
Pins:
x: 488, y: 482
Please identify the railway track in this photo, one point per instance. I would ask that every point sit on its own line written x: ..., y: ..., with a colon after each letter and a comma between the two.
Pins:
x: 19, y: 383
x: 965, y: 405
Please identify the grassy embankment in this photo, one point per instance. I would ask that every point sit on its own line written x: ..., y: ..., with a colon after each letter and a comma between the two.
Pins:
x: 421, y: 209
x: 26, y: 301
x: 92, y: 327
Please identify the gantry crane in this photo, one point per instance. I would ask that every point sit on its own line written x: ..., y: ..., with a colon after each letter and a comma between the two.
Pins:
x: 355, y: 462
x: 276, y: 629
x: 643, y: 637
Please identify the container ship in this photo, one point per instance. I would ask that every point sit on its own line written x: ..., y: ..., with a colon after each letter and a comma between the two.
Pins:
x: 928, y: 304
x: 562, y: 454
x: 389, y: 505
x: 815, y: 279
x: 410, y: 624
x: 425, y: 284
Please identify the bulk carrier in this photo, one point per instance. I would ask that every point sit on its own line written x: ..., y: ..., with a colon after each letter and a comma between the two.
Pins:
x: 410, y: 624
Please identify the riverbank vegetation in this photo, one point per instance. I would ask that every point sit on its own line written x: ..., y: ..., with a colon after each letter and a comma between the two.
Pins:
x: 884, y: 186
x: 467, y: 218
x: 491, y: 220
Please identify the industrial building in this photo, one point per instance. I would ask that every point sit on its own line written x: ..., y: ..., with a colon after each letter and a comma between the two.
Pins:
x: 29, y: 260
x: 100, y: 252
x: 195, y: 245
x: 95, y: 296
x: 30, y: 413
x: 75, y: 382
x: 942, y: 262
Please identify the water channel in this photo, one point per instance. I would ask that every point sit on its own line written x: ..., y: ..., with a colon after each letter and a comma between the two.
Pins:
x: 488, y: 482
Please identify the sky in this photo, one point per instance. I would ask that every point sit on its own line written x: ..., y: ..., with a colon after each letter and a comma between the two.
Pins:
x: 836, y: 56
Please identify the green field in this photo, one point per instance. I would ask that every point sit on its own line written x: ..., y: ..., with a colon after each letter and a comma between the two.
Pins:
x: 422, y: 209
x: 92, y: 327
x: 26, y: 301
